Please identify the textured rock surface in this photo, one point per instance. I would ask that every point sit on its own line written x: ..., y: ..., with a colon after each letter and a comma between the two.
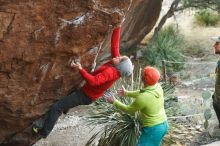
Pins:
x: 37, y: 41
x: 140, y: 19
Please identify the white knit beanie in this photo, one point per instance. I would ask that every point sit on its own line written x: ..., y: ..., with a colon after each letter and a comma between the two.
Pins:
x: 125, y: 67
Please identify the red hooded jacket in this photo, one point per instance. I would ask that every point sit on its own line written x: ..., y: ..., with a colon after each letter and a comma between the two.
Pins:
x: 104, y: 76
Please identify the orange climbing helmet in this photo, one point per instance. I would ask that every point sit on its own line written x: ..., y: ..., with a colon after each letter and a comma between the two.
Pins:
x: 151, y: 75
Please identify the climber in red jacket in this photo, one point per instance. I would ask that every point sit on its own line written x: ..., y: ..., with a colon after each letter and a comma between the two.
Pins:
x: 96, y: 84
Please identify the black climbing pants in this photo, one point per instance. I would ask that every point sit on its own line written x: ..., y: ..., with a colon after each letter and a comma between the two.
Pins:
x: 74, y: 99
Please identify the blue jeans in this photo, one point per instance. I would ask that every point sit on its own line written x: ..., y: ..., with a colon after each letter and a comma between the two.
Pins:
x: 152, y: 136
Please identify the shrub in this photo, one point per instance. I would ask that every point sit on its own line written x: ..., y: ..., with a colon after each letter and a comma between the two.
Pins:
x: 167, y: 45
x: 207, y: 18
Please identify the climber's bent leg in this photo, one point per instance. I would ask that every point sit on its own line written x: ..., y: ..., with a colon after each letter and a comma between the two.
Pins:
x: 67, y: 102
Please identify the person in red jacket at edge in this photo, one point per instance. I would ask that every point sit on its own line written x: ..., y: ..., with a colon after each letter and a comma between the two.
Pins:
x: 96, y: 84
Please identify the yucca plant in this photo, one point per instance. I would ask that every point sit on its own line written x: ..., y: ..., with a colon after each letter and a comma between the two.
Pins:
x: 118, y: 128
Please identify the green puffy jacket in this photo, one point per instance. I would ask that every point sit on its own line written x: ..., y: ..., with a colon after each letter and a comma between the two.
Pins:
x: 150, y: 103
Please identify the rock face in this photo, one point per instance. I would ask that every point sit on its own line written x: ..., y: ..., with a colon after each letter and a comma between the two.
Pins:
x: 38, y: 39
x: 140, y: 20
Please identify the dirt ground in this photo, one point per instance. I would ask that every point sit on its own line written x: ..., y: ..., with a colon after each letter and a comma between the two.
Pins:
x: 70, y: 130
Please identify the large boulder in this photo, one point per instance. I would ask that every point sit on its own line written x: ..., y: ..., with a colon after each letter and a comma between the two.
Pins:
x: 37, y: 41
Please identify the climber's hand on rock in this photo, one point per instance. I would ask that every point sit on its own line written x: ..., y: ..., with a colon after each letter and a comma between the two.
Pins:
x: 76, y: 64
x: 118, y: 18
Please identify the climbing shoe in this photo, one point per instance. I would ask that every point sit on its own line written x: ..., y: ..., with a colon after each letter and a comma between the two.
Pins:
x: 35, y: 129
